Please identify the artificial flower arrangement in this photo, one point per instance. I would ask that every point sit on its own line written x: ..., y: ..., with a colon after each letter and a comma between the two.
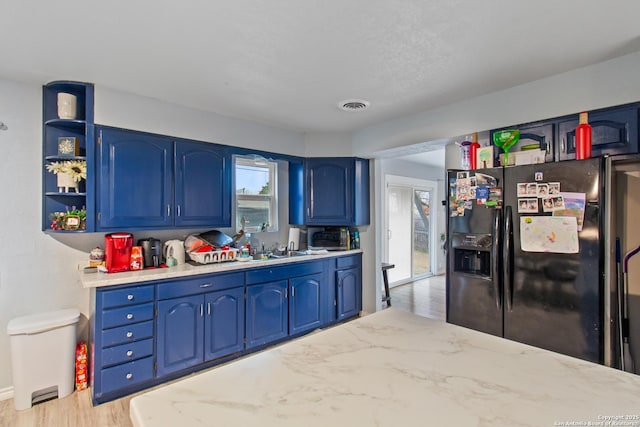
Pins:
x: 72, y: 219
x: 76, y: 168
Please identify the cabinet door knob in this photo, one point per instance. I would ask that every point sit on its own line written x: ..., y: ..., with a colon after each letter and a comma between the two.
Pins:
x: 129, y: 334
x: 129, y: 316
x: 129, y: 353
x: 129, y: 375
x: 130, y: 297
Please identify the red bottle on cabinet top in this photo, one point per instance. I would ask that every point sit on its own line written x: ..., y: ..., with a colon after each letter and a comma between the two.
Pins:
x: 583, y: 138
x: 473, y: 151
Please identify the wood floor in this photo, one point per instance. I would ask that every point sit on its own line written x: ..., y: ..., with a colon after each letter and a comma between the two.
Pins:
x: 424, y: 297
x: 74, y: 410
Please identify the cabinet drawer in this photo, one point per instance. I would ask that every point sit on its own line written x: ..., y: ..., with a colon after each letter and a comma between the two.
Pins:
x: 283, y: 272
x: 347, y: 261
x: 126, y: 352
x: 199, y: 285
x: 122, y: 376
x: 128, y: 296
x: 128, y: 333
x: 127, y: 315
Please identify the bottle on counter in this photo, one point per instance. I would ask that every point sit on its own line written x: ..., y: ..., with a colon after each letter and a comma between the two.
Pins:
x: 583, y: 137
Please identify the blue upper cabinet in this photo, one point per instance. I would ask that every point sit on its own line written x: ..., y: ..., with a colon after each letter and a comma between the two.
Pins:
x: 613, y: 131
x: 135, y: 180
x: 336, y: 191
x: 202, y: 185
x: 152, y: 181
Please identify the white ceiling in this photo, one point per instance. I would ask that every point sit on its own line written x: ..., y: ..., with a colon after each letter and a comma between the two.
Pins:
x: 287, y: 63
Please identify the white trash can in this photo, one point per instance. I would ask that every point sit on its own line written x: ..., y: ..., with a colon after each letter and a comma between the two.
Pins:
x: 43, y: 355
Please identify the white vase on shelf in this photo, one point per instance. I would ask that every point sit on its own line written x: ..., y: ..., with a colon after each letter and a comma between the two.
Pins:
x: 65, y: 182
x: 67, y: 104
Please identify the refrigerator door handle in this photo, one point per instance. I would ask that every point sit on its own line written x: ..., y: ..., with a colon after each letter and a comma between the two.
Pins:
x: 507, y: 257
x: 495, y: 251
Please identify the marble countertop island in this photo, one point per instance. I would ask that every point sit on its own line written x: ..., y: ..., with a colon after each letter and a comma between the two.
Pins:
x: 396, y: 369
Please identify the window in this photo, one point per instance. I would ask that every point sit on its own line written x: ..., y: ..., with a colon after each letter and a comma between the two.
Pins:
x: 256, y: 190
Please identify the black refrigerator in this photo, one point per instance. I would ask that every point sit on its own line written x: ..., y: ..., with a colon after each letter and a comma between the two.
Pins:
x: 525, y: 254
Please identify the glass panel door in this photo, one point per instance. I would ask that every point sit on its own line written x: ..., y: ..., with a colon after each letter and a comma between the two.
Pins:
x: 408, y: 233
x: 399, y: 217
x: 421, y: 253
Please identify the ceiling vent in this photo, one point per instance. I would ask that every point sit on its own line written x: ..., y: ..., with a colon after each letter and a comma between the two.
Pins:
x: 354, y: 105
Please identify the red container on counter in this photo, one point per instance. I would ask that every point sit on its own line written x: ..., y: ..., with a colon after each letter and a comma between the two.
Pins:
x: 137, y: 261
x: 117, y: 251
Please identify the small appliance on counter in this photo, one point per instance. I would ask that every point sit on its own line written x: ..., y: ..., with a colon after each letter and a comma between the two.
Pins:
x: 329, y: 238
x: 174, y: 249
x: 117, y: 251
x: 151, y: 252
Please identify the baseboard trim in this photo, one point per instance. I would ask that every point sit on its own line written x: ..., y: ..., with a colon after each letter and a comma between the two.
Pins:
x: 6, y: 393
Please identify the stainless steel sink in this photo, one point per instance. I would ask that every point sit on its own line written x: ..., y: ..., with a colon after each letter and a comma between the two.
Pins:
x: 288, y: 254
x: 271, y: 255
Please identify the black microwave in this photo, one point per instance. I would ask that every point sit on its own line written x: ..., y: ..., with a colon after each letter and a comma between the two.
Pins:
x: 330, y: 238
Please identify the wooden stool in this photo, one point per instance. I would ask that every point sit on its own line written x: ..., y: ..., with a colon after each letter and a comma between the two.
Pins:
x: 386, y: 297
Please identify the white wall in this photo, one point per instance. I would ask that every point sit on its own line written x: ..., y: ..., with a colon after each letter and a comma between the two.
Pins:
x: 37, y: 273
x: 328, y: 144
x: 129, y: 111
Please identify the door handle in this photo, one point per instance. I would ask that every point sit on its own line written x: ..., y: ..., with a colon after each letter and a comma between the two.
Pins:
x: 495, y: 251
x: 507, y: 257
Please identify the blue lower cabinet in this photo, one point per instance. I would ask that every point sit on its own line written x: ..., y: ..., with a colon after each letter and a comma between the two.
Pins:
x: 122, y: 331
x: 199, y: 328
x: 180, y: 341
x: 146, y: 334
x: 348, y: 293
x: 224, y: 325
x: 125, y: 376
x: 305, y: 303
x: 267, y: 313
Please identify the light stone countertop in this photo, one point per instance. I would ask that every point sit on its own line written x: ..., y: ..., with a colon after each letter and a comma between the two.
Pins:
x: 393, y: 368
x: 99, y: 279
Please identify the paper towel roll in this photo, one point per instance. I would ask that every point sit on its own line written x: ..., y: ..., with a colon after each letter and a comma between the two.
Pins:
x: 294, y: 236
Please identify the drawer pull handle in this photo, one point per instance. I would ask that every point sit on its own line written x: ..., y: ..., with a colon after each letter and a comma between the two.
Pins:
x: 130, y: 297
x: 129, y: 334
x: 129, y: 353
x: 129, y: 316
x: 129, y: 375
x: 206, y: 285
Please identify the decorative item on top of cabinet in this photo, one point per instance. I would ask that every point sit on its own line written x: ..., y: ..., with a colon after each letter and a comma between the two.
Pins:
x: 614, y: 131
x: 538, y: 134
x: 67, y: 141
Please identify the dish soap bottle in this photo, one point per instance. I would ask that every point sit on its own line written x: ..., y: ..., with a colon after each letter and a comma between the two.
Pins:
x: 583, y: 138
